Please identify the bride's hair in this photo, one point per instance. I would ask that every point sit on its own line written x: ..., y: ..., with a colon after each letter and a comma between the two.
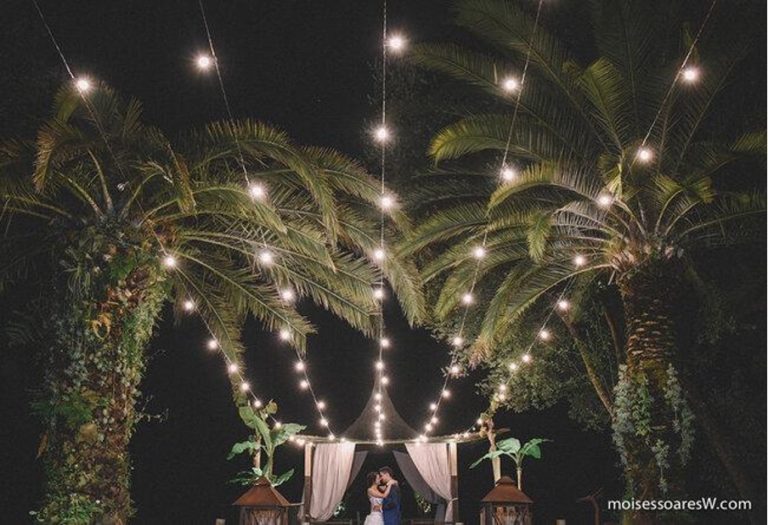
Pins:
x: 371, y: 478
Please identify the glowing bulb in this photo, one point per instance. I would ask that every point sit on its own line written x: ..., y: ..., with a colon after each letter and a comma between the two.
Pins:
x: 300, y: 366
x: 377, y: 407
x: 232, y: 368
x: 690, y: 74
x: 428, y: 427
x: 203, y: 62
x: 544, y: 335
x: 458, y: 341
x: 502, y: 388
x: 467, y: 298
x: 433, y: 420
x: 455, y: 370
x: 278, y: 424
x: 563, y: 305
x: 245, y: 387
x: 379, y: 254
x: 257, y: 191
x: 266, y: 257
x: 301, y: 442
x: 381, y: 134
x: 433, y: 406
x: 422, y: 438
x: 501, y: 396
x: 579, y: 260
x: 386, y: 202
x: 288, y: 295
x: 331, y: 437
x: 510, y: 84
x: 644, y: 154
x: 508, y: 174
x: 321, y: 405
x: 285, y: 335
x: 526, y: 358
x: 379, y: 365
x: 465, y: 435
x: 396, y: 43
x: 446, y: 393
x: 213, y: 344
x: 323, y: 422
x: 478, y: 252
x: 304, y: 384
x: 384, y: 380
x: 377, y: 397
x: 604, y: 200
x: 380, y: 443
x: 378, y: 293
x: 170, y: 261
x: 189, y: 305
x: 479, y: 421
x: 382, y: 417
x: 258, y: 404
x: 513, y: 366
x: 385, y: 343
x: 83, y: 85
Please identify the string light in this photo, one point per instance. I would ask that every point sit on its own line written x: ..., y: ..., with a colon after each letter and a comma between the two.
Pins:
x: 384, y: 342
x: 433, y: 406
x: 169, y: 261
x: 203, y: 62
x: 579, y: 260
x: 396, y: 43
x: 526, y: 358
x: 189, y: 305
x: 510, y: 84
x: 604, y: 200
x: 244, y: 386
x: 83, y: 85
x: 378, y: 293
x: 379, y: 365
x: 213, y: 344
x: 321, y: 405
x: 644, y: 154
x: 232, y: 368
x: 544, y: 335
x: 467, y: 298
x: 257, y: 403
x: 455, y: 370
x: 288, y: 295
x: 563, y: 305
x: 445, y: 393
x: 300, y: 366
x: 508, y: 174
x: 381, y: 134
x: 479, y: 252
x: 513, y: 366
x: 690, y: 74
x: 257, y: 191
x: 458, y: 341
x: 379, y: 254
x: 285, y: 334
x: 266, y: 257
x: 387, y: 202
x: 303, y: 384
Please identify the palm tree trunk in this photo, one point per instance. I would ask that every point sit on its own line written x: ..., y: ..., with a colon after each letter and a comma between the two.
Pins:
x: 96, y: 362
x: 652, y: 424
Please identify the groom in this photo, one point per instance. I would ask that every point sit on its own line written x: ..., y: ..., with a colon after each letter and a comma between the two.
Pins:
x: 391, y: 504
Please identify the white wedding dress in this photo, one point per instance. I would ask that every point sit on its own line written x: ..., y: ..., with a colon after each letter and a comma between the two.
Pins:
x: 375, y: 517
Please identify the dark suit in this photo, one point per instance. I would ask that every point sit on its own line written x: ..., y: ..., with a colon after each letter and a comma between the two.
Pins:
x: 391, y: 506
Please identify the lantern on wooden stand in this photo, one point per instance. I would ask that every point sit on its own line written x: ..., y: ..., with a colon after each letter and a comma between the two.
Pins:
x: 262, y: 505
x: 506, y: 505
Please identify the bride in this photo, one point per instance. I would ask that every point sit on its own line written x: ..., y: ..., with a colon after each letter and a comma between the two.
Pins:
x: 376, y: 496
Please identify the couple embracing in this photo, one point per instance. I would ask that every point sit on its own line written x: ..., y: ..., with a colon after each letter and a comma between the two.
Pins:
x: 384, y: 495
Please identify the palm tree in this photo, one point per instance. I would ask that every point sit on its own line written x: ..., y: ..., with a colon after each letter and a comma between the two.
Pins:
x: 589, y: 198
x: 105, y: 220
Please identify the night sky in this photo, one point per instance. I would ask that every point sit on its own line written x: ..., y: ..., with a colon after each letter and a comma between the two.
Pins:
x: 307, y: 67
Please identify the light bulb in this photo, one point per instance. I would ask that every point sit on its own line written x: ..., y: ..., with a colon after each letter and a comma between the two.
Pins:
x: 513, y: 366
x: 396, y: 43
x: 321, y: 405
x: 323, y: 422
x: 257, y: 191
x: 446, y: 393
x: 232, y: 368
x: 645, y: 154
x: 508, y: 174
x: 502, y: 388
x: 385, y: 343
x: 379, y: 365
x: 526, y: 358
x: 479, y: 421
x: 245, y: 387
x: 331, y: 437
x: 300, y: 366
x: 258, y: 404
x: 384, y: 380
x: 544, y: 335
x: 433, y: 406
x: 381, y: 134
x: 377, y: 407
x: 455, y: 370
x: 563, y: 305
x: 510, y: 84
x: 501, y: 396
x: 287, y: 295
x: 377, y: 397
x: 304, y: 384
x: 169, y: 261
x: 379, y: 254
x: 213, y: 344
x: 433, y: 420
x: 83, y: 85
x: 266, y: 257
x: 467, y: 298
x: 285, y: 335
x: 690, y: 74
x: 189, y: 305
x: 579, y: 260
x: 458, y: 341
x: 386, y: 202
x: 604, y: 200
x: 203, y: 62
x: 278, y: 424
x: 478, y: 252
x: 378, y: 293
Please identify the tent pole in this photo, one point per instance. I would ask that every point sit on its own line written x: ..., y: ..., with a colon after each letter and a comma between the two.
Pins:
x: 308, y: 456
x: 453, y: 458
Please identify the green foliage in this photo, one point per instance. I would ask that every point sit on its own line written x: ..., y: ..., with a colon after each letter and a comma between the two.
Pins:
x: 513, y: 449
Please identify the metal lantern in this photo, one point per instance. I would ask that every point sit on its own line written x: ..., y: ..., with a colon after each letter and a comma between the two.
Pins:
x: 506, y: 505
x: 263, y: 505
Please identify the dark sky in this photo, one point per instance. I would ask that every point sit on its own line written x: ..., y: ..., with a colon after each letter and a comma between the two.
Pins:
x: 305, y: 66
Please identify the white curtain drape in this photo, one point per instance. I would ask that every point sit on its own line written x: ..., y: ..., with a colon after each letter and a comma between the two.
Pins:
x: 330, y: 475
x: 433, y: 462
